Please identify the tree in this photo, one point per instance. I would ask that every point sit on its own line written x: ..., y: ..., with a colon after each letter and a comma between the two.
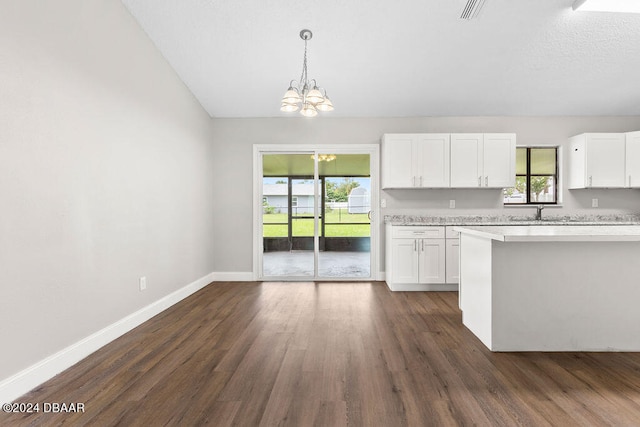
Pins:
x: 330, y: 190
x: 340, y: 192
x: 538, y: 185
x: 267, y: 208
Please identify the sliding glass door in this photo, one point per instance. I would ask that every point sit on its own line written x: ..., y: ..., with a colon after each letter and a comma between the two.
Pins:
x: 288, y: 215
x: 345, y: 223
x: 315, y: 217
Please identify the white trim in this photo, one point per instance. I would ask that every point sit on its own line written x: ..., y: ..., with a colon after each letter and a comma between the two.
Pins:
x: 415, y: 287
x: 233, y: 276
x: 29, y: 378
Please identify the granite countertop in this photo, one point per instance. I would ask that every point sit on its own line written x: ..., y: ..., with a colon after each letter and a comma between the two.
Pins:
x: 493, y: 220
x: 555, y: 233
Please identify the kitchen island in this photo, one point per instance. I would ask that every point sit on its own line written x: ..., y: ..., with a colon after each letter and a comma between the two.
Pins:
x: 551, y: 288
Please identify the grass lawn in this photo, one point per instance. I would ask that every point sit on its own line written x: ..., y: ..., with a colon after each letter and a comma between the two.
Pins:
x: 335, y: 226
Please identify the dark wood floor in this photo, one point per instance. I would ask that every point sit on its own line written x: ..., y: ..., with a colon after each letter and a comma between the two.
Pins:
x: 332, y: 354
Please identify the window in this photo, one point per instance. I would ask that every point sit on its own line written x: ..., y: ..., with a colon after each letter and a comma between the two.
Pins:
x: 536, y: 177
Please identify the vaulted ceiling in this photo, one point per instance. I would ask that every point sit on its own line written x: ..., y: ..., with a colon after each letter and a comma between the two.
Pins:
x: 383, y: 58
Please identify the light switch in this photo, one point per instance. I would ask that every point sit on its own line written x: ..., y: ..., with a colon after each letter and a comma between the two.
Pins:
x: 594, y: 203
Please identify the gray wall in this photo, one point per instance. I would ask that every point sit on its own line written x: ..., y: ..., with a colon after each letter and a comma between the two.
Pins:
x: 234, y: 138
x: 105, y: 175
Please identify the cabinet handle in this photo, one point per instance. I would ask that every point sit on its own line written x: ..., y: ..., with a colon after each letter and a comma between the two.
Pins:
x: 415, y: 246
x: 479, y: 181
x: 414, y: 181
x: 590, y: 181
x: 422, y: 245
x: 486, y: 181
x: 420, y: 181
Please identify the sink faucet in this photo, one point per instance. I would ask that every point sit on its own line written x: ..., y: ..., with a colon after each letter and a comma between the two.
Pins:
x: 539, y: 212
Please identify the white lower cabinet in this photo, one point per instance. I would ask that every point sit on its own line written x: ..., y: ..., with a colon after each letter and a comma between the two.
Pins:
x: 452, y: 256
x: 416, y: 258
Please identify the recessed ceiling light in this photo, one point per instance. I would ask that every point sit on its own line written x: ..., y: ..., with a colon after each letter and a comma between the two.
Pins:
x: 621, y: 6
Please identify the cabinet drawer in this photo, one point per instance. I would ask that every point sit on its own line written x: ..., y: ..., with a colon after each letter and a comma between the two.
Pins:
x: 414, y: 231
x: 451, y: 233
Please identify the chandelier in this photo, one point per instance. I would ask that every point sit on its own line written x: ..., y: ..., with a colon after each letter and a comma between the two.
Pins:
x: 305, y: 95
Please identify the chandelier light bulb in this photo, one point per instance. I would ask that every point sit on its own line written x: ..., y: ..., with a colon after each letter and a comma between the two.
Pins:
x: 291, y: 96
x: 289, y: 108
x: 325, y: 105
x: 314, y: 96
x: 308, y: 110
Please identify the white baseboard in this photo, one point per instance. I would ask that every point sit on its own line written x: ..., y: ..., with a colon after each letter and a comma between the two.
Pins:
x: 247, y: 276
x: 15, y: 386
x: 414, y: 287
x: 230, y: 276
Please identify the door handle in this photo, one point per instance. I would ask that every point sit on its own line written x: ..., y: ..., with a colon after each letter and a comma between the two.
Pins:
x: 369, y: 215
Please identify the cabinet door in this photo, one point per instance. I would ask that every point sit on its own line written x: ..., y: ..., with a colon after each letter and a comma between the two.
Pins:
x: 404, y: 260
x: 432, y: 166
x: 453, y: 261
x: 605, y: 160
x: 633, y: 159
x: 466, y: 160
x: 397, y: 161
x: 499, y: 160
x: 432, y: 261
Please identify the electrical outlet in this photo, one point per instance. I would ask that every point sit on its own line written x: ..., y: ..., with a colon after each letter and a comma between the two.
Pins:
x: 383, y: 203
x: 452, y: 204
x: 143, y: 283
x: 594, y: 203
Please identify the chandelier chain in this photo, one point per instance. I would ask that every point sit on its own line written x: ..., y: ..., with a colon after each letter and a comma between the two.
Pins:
x: 303, y: 76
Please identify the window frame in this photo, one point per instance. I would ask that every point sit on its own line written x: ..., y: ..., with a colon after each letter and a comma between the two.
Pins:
x: 528, y: 176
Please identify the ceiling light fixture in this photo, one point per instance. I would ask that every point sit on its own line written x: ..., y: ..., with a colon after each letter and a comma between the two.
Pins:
x: 304, y: 93
x: 324, y: 157
x: 621, y: 6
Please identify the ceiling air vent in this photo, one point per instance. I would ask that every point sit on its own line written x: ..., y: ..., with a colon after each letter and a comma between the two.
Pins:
x: 472, y: 9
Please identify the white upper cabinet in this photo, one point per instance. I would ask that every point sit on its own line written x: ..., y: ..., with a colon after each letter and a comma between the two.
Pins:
x: 466, y: 159
x: 433, y: 160
x: 415, y: 161
x: 633, y: 159
x: 499, y: 160
x: 398, y: 161
x: 597, y: 160
x: 483, y: 160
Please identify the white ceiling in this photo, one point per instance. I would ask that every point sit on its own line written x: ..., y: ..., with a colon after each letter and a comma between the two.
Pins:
x: 383, y: 58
